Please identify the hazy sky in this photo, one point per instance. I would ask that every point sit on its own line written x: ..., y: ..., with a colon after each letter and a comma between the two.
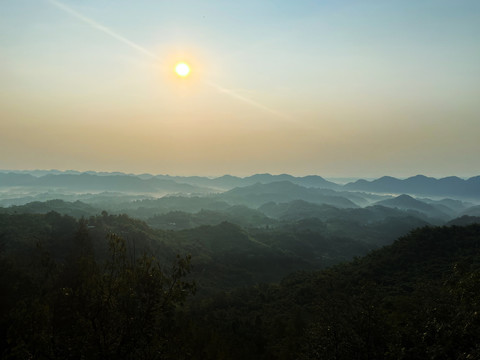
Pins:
x: 332, y: 87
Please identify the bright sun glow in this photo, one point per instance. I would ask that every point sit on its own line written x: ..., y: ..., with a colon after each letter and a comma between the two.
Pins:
x: 182, y: 69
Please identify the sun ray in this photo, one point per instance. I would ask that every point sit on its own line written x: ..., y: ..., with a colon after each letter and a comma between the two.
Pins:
x: 104, y: 29
x: 147, y: 52
x: 246, y: 100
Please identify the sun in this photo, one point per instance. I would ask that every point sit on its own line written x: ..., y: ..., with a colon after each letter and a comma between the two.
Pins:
x: 182, y: 69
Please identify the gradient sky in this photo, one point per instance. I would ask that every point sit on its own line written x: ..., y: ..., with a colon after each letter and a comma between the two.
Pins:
x: 332, y: 87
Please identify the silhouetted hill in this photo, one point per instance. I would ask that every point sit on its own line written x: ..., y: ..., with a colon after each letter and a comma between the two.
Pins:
x: 472, y: 211
x: 114, y: 183
x: 227, y: 182
x: 95, y: 182
x: 465, y: 220
x: 421, y: 185
x: 76, y: 209
x: 375, y: 225
x: 306, y: 181
x: 455, y: 205
x: 406, y: 202
x: 451, y: 207
x: 282, y: 191
x: 300, y: 209
x: 165, y: 184
x: 14, y: 179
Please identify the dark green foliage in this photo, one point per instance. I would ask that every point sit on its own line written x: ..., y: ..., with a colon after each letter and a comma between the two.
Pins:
x: 120, y: 308
x: 416, y: 299
x: 225, y: 256
x: 68, y: 293
x: 240, y: 215
x: 76, y: 209
x: 148, y: 207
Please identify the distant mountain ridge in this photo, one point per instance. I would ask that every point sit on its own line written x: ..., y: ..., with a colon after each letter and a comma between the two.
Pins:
x: 225, y: 182
x: 418, y: 185
x: 421, y: 185
x: 93, y: 182
x: 283, y: 191
x: 406, y: 202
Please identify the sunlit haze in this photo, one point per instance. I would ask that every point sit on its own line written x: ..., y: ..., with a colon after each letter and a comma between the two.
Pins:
x: 335, y: 88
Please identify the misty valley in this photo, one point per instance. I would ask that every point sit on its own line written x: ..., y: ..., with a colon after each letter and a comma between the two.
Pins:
x: 120, y: 266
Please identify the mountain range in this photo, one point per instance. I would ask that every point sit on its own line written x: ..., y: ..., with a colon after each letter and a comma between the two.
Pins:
x: 421, y: 185
x: 283, y: 197
x: 417, y: 185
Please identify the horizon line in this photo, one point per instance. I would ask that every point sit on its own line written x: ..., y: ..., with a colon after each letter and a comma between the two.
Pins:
x: 326, y: 177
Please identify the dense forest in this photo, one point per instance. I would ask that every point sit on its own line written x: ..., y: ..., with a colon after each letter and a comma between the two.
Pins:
x: 109, y: 286
x: 116, y: 266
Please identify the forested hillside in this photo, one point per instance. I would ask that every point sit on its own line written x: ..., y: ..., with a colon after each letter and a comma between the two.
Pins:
x: 415, y: 299
x: 111, y: 287
x: 116, y: 266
